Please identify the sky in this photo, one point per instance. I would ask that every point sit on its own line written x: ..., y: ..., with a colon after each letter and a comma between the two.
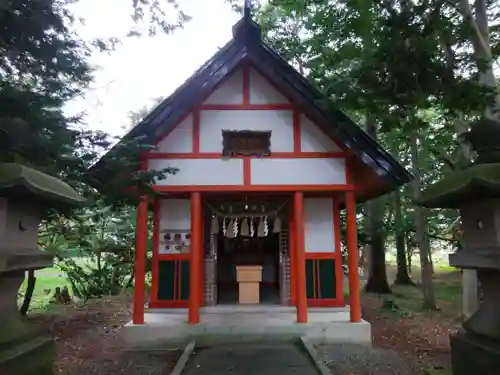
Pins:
x: 143, y: 68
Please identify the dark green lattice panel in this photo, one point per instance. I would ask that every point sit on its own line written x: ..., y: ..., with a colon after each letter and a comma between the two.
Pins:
x: 320, y: 279
x: 173, y: 280
x: 310, y: 278
x: 166, y: 274
x: 183, y: 293
x: 327, y: 280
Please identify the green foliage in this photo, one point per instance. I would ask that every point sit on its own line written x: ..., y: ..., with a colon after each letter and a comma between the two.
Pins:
x: 157, y: 15
x: 413, y: 66
x: 416, y: 67
x: 43, y: 64
x: 105, y: 238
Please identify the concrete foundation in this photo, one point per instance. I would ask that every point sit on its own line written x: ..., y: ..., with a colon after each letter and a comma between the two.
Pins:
x: 166, y: 327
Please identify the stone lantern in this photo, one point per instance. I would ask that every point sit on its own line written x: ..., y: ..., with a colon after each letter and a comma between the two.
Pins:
x: 475, y: 191
x: 25, y: 196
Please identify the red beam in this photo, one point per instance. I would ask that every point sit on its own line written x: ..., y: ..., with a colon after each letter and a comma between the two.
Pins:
x: 196, y: 132
x: 141, y: 239
x: 352, y: 251
x: 155, y: 259
x: 296, y: 132
x: 196, y: 257
x: 246, y: 107
x: 253, y: 188
x: 300, y: 264
x: 218, y: 155
x: 291, y: 252
x: 339, y: 271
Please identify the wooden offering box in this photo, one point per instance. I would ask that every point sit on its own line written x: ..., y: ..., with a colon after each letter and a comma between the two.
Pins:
x: 249, y: 278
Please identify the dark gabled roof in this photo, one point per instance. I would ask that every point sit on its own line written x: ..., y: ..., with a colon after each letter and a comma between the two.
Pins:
x: 248, y: 45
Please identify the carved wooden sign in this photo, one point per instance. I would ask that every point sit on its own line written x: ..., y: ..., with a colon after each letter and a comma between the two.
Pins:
x: 246, y: 142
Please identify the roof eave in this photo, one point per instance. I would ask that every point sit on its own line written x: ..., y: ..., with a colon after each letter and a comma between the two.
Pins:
x: 172, y: 108
x: 196, y: 88
x: 364, y: 146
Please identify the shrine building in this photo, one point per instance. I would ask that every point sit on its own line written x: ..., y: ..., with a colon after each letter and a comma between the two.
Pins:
x: 247, y: 238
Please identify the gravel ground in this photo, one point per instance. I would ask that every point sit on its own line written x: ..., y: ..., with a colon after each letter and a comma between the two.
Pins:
x: 131, y: 364
x: 360, y: 360
x: 89, y: 341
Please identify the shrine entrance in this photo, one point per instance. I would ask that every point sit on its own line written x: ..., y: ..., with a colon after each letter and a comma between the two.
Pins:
x: 247, y: 253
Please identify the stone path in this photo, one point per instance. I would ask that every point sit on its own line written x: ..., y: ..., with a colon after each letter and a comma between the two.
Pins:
x: 251, y: 359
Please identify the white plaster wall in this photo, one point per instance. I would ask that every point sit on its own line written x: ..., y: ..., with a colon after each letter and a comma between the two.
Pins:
x: 313, y: 139
x: 279, y: 122
x: 180, y: 140
x: 175, y: 214
x: 319, y: 236
x: 313, y: 171
x: 200, y: 171
x: 262, y: 92
x: 229, y: 92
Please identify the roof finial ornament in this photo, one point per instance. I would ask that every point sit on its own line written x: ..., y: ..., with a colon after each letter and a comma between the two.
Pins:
x: 246, y: 29
x: 247, y: 8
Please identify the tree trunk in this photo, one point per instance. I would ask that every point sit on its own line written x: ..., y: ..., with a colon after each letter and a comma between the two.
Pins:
x: 131, y: 279
x: 409, y: 254
x: 421, y: 231
x: 363, y: 260
x: 402, y: 276
x: 30, y: 288
x: 377, y: 279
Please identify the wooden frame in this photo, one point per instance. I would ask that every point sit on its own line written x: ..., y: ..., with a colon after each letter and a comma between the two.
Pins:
x: 258, y: 143
x: 296, y: 236
x: 247, y: 106
x: 254, y: 188
x: 339, y: 300
x: 140, y: 262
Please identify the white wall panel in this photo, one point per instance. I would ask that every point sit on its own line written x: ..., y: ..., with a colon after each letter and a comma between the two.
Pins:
x: 229, y: 92
x: 180, y: 139
x: 319, y: 236
x: 175, y: 214
x: 313, y: 171
x: 313, y: 139
x: 262, y: 92
x: 213, y: 122
x: 200, y: 171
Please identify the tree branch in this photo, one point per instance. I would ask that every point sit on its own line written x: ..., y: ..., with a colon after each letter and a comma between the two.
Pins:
x: 446, y: 159
x: 477, y: 37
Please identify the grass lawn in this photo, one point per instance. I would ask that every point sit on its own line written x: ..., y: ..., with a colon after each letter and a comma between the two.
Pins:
x: 47, y: 280
x: 408, y: 300
x: 447, y: 287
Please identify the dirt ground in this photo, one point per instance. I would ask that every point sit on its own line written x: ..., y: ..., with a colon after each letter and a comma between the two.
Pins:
x: 399, y: 323
x: 88, y: 339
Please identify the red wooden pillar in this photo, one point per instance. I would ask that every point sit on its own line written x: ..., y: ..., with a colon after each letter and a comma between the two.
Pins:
x: 201, y: 269
x: 196, y: 257
x: 141, y: 240
x: 291, y: 252
x: 300, y: 257
x: 352, y: 253
x: 154, y: 260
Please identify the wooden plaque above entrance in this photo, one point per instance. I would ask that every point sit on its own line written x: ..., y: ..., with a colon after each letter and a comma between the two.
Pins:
x: 246, y: 142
